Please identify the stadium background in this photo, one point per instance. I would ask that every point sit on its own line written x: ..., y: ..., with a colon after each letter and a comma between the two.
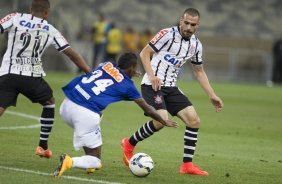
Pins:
x: 238, y: 36
x: 242, y: 144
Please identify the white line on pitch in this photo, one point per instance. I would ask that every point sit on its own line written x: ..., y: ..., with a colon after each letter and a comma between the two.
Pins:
x: 65, y: 177
x: 24, y: 116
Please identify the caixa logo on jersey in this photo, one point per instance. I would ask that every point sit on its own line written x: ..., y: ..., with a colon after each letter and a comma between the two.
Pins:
x: 173, y: 60
x: 31, y: 25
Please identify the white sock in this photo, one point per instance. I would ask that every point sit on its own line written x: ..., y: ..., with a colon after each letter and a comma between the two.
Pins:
x: 86, y: 162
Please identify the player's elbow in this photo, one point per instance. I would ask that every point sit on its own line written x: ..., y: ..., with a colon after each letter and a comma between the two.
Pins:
x: 150, y: 112
x: 142, y: 54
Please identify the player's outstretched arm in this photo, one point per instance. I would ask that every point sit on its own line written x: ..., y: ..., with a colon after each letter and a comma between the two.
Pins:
x: 77, y: 59
x: 150, y: 111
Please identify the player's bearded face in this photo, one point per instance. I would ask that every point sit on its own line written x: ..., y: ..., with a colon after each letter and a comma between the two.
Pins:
x: 188, y: 25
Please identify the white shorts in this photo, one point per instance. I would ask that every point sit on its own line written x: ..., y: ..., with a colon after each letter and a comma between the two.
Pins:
x: 86, y: 124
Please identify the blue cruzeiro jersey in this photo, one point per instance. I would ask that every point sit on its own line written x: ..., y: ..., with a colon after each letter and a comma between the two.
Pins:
x: 105, y: 85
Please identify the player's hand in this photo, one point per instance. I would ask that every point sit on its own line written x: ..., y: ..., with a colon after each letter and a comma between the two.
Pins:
x: 156, y: 83
x: 170, y: 123
x: 137, y: 74
x: 217, y: 103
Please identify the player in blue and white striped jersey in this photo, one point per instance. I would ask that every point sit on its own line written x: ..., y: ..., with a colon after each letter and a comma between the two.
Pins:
x: 170, y: 49
x: 21, y: 71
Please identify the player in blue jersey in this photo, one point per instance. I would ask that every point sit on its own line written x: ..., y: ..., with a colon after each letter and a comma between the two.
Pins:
x: 86, y: 96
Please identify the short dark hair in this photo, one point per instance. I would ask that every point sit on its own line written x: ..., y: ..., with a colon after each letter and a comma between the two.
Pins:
x: 40, y: 5
x: 127, y: 60
x: 192, y: 11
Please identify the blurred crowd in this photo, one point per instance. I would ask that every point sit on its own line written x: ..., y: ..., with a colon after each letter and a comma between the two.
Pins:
x: 109, y: 40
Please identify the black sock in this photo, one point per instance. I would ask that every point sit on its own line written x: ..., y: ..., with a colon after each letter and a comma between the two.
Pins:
x: 46, y: 120
x: 142, y: 133
x: 190, y: 141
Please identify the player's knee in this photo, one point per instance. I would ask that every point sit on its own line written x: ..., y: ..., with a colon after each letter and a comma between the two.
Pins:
x: 51, y: 101
x: 195, y: 123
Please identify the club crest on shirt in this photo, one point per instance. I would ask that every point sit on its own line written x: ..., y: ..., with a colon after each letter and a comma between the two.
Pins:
x: 192, y: 49
x: 158, y: 99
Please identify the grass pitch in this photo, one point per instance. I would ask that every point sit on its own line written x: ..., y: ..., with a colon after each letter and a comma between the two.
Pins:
x: 241, y: 144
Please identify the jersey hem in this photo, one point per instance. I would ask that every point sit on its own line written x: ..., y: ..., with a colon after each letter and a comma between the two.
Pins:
x: 196, y: 63
x: 63, y: 48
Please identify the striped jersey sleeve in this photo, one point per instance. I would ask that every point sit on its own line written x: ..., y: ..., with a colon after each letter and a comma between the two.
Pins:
x: 6, y: 22
x: 197, y: 58
x: 159, y: 40
x: 59, y: 42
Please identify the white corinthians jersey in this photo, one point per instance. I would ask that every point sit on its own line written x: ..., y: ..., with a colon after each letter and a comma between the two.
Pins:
x: 171, y: 52
x: 29, y: 36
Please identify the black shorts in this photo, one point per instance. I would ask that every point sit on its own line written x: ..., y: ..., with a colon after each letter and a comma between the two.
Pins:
x: 34, y: 88
x: 168, y: 98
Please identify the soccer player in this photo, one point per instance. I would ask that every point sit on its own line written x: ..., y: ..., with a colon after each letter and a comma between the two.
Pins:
x: 100, y: 31
x: 171, y: 49
x: 86, y: 96
x: 21, y: 71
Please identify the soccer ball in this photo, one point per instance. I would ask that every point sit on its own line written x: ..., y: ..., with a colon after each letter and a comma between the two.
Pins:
x: 141, y: 164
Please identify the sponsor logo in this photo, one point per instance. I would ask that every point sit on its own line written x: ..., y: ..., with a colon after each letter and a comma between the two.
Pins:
x: 97, y: 131
x: 31, y: 25
x: 159, y: 36
x: 8, y: 17
x: 171, y: 59
x: 177, y: 63
x: 112, y: 71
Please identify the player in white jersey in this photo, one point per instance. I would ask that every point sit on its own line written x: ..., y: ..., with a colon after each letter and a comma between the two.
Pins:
x: 171, y: 48
x: 21, y: 71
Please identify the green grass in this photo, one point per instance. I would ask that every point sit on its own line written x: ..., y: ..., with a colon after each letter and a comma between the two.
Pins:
x: 241, y: 144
